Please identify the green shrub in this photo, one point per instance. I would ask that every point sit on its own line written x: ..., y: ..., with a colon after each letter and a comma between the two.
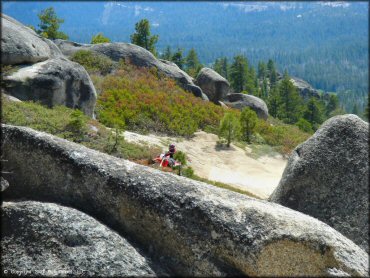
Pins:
x: 99, y: 38
x: 304, y: 125
x: 181, y: 157
x: 188, y: 172
x: 93, y: 62
x: 145, y: 100
x: 74, y: 126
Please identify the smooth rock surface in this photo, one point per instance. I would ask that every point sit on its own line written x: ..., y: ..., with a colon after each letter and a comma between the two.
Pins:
x: 327, y: 177
x: 137, y: 56
x: 21, y: 45
x: 213, y: 85
x: 304, y: 88
x: 47, y: 239
x: 191, y: 227
x: 240, y: 101
x: 54, y: 82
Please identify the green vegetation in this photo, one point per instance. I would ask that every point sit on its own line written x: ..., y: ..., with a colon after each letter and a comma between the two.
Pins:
x: 229, y: 128
x: 72, y: 125
x: 143, y: 100
x: 49, y: 25
x: 248, y: 122
x: 99, y: 38
x: 142, y: 36
x: 93, y: 62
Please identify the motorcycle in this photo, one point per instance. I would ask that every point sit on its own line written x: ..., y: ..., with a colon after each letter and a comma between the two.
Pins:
x: 166, y: 161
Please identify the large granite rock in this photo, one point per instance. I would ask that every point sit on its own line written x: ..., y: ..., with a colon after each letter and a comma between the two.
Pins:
x: 42, y: 73
x: 54, y: 82
x: 240, y: 101
x: 213, y: 85
x: 327, y: 177
x: 304, y: 88
x: 47, y: 239
x: 21, y: 45
x: 137, y: 56
x: 192, y: 227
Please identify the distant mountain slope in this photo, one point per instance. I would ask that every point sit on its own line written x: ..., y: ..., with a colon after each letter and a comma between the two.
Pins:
x: 325, y: 43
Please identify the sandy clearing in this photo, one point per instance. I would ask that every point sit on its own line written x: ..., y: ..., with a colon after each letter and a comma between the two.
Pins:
x: 232, y: 166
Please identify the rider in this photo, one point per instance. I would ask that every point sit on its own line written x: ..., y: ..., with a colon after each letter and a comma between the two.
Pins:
x: 171, y: 152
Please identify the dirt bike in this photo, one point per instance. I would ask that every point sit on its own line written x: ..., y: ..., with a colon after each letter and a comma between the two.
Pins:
x: 165, y: 161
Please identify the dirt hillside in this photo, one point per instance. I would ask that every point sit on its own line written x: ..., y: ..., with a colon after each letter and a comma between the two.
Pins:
x: 234, y: 165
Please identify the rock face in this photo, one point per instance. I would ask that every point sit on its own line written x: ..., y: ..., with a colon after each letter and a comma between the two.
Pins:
x: 137, y: 56
x: 327, y: 177
x: 239, y: 101
x: 54, y: 82
x: 64, y: 242
x: 4, y: 184
x: 44, y: 74
x: 213, y: 85
x: 304, y: 89
x: 192, y: 227
x: 21, y: 45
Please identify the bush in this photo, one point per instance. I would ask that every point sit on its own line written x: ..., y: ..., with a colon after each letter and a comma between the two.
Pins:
x: 229, y: 128
x: 181, y: 157
x: 304, y: 125
x: 188, y: 172
x: 145, y: 100
x: 73, y: 125
x: 93, y: 62
x: 99, y: 38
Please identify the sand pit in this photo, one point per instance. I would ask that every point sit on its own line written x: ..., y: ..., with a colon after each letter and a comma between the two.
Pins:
x: 232, y: 165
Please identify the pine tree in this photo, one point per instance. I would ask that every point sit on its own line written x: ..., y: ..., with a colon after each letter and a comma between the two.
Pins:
x: 221, y: 67
x: 248, y: 122
x: 238, y: 73
x: 192, y: 63
x: 332, y: 104
x: 262, y: 70
x: 167, y: 55
x: 273, y: 102
x: 142, y: 36
x: 272, y: 74
x: 314, y: 112
x: 178, y: 59
x: 49, y: 25
x: 290, y: 101
x: 229, y: 128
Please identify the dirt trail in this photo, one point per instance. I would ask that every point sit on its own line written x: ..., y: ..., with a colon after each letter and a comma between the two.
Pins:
x: 232, y: 166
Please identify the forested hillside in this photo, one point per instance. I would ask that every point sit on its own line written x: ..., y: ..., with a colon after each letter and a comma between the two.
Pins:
x: 321, y: 42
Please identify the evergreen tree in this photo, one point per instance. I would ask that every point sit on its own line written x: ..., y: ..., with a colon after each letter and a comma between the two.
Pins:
x: 262, y: 70
x: 49, y: 25
x: 251, y: 82
x: 272, y: 74
x: 99, y: 38
x: 273, y: 102
x: 290, y: 101
x: 221, y: 67
x: 248, y: 122
x: 178, y: 59
x: 167, y: 55
x: 229, y: 128
x: 192, y: 63
x: 238, y: 73
x: 314, y: 113
x: 332, y: 104
x: 142, y: 36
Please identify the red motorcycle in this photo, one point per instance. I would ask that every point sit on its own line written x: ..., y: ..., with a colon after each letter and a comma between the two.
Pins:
x: 166, y: 161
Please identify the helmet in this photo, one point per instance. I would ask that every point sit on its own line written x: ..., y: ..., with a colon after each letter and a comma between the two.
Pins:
x: 172, y: 146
